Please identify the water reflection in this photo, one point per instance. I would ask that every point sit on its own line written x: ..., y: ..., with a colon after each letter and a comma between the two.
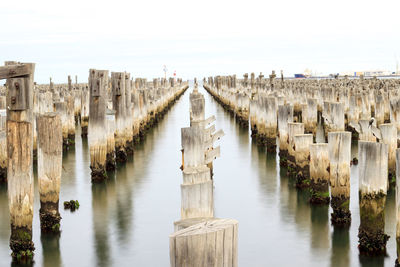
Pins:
x: 100, y: 206
x: 320, y: 229
x: 51, y: 250
x: 340, y: 247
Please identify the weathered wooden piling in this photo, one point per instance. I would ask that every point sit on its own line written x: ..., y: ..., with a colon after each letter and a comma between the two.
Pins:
x: 333, y: 114
x: 98, y: 80
x: 70, y: 105
x: 373, y: 184
x: 119, y: 105
x: 49, y: 170
x: 397, y: 263
x: 211, y: 243
x: 85, y: 112
x: 388, y: 135
x: 197, y: 194
x: 310, y: 116
x: 339, y: 156
x: 319, y: 173
x: 61, y: 109
x: 302, y: 143
x: 285, y: 116
x: 364, y: 129
x: 3, y: 141
x: 267, y: 123
x: 294, y: 128
x: 110, y: 118
x: 128, y: 115
x: 3, y: 156
x: 20, y: 156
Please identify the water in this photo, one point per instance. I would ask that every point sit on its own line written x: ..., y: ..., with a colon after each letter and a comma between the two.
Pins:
x: 127, y: 221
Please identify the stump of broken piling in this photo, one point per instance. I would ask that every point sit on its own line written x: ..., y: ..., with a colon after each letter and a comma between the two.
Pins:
x: 98, y: 80
x: 388, y: 133
x: 302, y: 144
x: 285, y: 115
x: 319, y: 174
x: 3, y: 157
x: 339, y: 144
x: 119, y: 105
x: 294, y: 128
x: 49, y: 170
x: 373, y: 185
x: 84, y: 112
x: 397, y: 205
x: 110, y: 121
x: 211, y: 243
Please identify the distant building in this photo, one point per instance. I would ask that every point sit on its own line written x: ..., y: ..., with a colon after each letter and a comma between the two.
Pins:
x: 377, y: 73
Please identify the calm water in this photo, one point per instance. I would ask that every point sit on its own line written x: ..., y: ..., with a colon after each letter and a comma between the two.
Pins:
x: 127, y: 221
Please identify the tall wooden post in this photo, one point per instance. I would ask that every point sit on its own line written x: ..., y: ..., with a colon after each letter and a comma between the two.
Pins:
x: 294, y: 128
x: 128, y: 115
x: 20, y: 150
x: 319, y: 173
x: 3, y: 156
x: 110, y: 118
x: 61, y: 109
x: 397, y: 263
x: 70, y: 104
x: 302, y: 143
x: 119, y: 104
x: 339, y: 156
x: 84, y: 112
x: 98, y: 80
x: 389, y: 136
x: 49, y: 170
x: 373, y: 184
x: 285, y: 115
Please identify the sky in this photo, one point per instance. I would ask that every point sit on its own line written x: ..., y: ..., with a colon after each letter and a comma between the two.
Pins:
x: 199, y: 38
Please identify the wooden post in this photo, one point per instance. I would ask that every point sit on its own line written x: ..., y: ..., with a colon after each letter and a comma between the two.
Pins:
x: 373, y: 184
x: 333, y: 115
x: 310, y: 116
x: 3, y: 156
x: 285, y: 115
x: 85, y: 112
x: 49, y: 170
x: 267, y: 130
x: 388, y: 133
x: 110, y: 117
x: 3, y: 141
x: 20, y: 151
x: 294, y: 128
x: 302, y: 143
x: 98, y: 80
x: 339, y: 156
x: 319, y: 173
x: 70, y: 104
x: 128, y: 115
x: 211, y: 243
x: 398, y: 207
x: 119, y: 104
x: 61, y: 109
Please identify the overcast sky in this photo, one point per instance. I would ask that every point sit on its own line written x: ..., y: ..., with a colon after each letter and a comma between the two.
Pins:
x: 199, y: 38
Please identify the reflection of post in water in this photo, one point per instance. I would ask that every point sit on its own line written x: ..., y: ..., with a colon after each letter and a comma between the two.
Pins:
x: 303, y: 209
x: 51, y: 250
x: 340, y: 247
x: 320, y: 227
x: 100, y: 222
